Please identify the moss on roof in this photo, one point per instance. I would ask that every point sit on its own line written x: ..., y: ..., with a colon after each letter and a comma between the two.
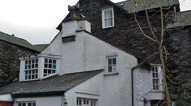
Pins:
x: 182, y: 19
x: 17, y: 41
x: 41, y: 47
x: 140, y: 5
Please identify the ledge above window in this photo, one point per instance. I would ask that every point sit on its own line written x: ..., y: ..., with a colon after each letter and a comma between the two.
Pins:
x: 111, y: 74
x: 69, y: 38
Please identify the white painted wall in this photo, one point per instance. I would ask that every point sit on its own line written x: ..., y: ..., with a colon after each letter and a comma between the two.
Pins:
x: 143, y: 87
x: 89, y: 53
x: 86, y: 53
x: 6, y: 98
x: 41, y: 101
x: 113, y: 90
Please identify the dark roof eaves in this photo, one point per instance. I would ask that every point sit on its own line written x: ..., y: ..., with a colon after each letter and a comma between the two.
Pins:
x: 38, y: 94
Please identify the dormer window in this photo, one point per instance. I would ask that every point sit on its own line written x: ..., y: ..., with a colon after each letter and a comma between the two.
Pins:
x: 38, y: 67
x: 31, y: 69
x: 49, y: 66
x: 107, y: 18
x: 112, y: 64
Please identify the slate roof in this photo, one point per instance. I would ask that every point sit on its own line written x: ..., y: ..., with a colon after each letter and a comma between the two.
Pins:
x: 16, y: 41
x: 52, y: 84
x: 182, y: 19
x: 140, y: 5
x: 41, y: 47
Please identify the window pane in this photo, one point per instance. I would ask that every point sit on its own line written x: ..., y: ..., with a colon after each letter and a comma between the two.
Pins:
x: 19, y: 104
x: 32, y: 65
x: 154, y: 87
x: 49, y: 72
x: 36, y: 66
x: 109, y: 68
x: 106, y: 23
x: 109, y: 61
x: 54, y: 61
x: 36, y: 60
x: 45, y: 65
x: 23, y: 104
x: 109, y: 22
x: 105, y: 14
x: 50, y: 66
x: 25, y: 66
x: 54, y: 66
x: 80, y: 102
x: 45, y: 71
x: 50, y: 60
x: 26, y: 77
x: 53, y: 71
x: 110, y: 13
x: 29, y: 76
x: 34, y: 104
x: 114, y: 60
x: 156, y: 75
x: 29, y: 104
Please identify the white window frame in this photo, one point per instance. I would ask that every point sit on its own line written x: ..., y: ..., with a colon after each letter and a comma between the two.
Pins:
x: 33, y: 103
x: 48, y: 71
x: 31, y: 69
x: 86, y: 102
x: 156, y: 77
x: 103, y: 18
x: 112, y: 65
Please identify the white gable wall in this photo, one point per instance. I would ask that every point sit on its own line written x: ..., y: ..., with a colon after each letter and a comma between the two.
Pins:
x: 89, y: 53
x: 86, y: 53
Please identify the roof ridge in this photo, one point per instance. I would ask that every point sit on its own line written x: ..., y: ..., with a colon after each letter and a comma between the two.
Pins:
x: 17, y: 41
x: 12, y: 36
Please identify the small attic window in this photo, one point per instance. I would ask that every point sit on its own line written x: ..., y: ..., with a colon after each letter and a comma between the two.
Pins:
x: 68, y: 38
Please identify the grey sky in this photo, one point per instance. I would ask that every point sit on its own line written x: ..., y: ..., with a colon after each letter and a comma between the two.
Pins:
x: 36, y: 20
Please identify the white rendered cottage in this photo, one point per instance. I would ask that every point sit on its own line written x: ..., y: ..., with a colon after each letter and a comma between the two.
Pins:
x: 77, y: 69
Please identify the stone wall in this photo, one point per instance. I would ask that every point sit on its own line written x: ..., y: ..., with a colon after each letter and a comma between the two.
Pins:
x: 9, y: 61
x: 125, y: 34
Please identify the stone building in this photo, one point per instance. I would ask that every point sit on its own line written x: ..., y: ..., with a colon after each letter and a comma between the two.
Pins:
x: 11, y: 48
x: 110, y: 63
x: 78, y: 69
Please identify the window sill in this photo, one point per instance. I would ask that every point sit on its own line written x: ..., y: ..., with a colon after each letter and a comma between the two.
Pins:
x: 107, y: 27
x: 157, y: 91
x: 28, y: 80
x: 44, y: 77
x: 110, y: 74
